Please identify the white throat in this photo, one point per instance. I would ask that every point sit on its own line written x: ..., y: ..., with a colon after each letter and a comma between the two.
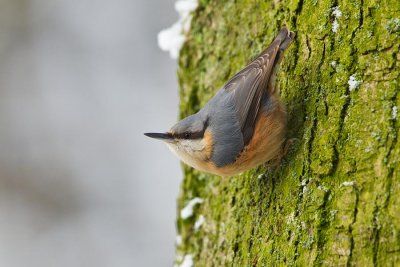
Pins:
x: 190, y: 151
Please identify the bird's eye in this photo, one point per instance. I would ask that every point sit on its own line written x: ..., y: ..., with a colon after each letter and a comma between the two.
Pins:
x: 186, y: 135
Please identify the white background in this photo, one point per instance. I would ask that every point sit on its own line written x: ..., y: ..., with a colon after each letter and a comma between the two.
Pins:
x: 80, y: 81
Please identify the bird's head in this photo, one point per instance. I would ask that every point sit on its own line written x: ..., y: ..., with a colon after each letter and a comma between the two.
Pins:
x: 190, y: 139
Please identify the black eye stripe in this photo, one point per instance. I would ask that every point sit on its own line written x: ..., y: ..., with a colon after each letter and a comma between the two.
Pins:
x: 189, y: 135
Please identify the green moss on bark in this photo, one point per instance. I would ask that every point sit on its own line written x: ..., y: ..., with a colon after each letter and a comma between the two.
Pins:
x: 335, y: 198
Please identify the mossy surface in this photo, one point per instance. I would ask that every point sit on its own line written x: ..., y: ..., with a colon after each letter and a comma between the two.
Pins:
x: 335, y: 198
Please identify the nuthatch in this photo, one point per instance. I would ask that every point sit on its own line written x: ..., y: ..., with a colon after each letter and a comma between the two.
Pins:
x: 242, y: 126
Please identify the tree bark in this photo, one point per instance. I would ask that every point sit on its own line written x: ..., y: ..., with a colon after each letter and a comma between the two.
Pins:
x: 335, y: 198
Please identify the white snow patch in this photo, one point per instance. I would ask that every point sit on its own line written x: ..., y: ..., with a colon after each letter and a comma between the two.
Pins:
x: 290, y: 219
x: 333, y: 214
x: 393, y: 25
x: 178, y: 240
x: 187, y: 211
x: 336, y: 13
x: 172, y: 38
x: 199, y: 222
x: 351, y: 183
x: 323, y: 188
x: 187, y: 261
x: 335, y: 25
x: 394, y: 112
x: 305, y: 189
x: 185, y: 7
x: 353, y: 82
x: 304, y: 185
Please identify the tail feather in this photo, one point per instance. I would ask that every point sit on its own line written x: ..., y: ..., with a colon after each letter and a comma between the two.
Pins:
x: 289, y: 37
x: 283, y: 40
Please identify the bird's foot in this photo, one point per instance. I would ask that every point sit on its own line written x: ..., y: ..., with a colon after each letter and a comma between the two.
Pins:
x: 274, y: 163
x: 287, y: 146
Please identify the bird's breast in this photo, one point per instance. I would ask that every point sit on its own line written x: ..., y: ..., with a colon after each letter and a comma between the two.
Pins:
x: 265, y: 144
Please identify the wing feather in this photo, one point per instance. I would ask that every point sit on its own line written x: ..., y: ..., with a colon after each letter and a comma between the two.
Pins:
x: 249, y: 86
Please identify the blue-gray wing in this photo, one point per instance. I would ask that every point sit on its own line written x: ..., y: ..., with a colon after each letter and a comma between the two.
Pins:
x: 250, y: 85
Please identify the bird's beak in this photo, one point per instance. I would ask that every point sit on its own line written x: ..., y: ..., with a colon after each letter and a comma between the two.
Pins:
x: 160, y: 136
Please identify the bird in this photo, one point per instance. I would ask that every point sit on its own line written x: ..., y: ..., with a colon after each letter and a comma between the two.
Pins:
x: 243, y: 125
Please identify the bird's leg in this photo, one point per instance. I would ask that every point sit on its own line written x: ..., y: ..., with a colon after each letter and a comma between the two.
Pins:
x: 287, y: 145
x: 272, y: 164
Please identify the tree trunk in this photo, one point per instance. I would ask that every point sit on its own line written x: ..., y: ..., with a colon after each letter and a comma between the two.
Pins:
x: 335, y: 198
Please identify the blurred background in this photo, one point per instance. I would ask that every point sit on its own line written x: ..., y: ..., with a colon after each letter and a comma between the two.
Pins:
x: 80, y: 81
